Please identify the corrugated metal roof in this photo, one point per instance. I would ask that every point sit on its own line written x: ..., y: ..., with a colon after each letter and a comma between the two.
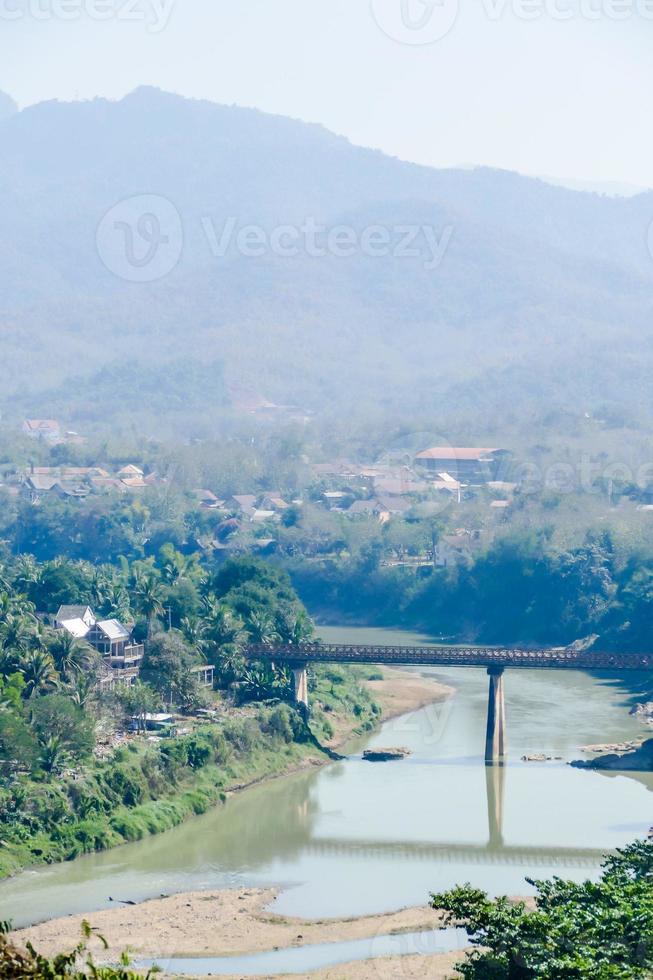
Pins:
x: 76, y: 627
x: 113, y: 629
x: 453, y: 452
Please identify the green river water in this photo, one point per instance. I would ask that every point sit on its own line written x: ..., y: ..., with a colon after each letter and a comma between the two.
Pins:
x: 356, y: 838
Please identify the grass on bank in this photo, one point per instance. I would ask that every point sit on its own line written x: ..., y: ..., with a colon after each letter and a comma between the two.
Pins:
x: 149, y: 787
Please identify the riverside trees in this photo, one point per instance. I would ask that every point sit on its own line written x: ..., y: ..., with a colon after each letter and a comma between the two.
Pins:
x: 190, y: 614
x: 591, y: 931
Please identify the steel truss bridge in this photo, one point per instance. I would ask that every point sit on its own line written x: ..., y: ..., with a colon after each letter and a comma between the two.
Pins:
x: 493, y: 659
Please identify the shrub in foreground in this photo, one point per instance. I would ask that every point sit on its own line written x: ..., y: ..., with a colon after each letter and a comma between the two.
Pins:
x: 591, y: 931
x: 78, y: 964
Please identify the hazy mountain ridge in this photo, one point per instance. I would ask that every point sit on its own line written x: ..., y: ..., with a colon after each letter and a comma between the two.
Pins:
x: 534, y: 278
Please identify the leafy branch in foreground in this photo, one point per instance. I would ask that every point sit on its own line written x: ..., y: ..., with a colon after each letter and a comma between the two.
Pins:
x: 592, y: 930
x: 78, y: 964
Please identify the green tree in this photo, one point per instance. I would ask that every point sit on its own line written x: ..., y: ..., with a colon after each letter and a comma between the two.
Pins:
x: 591, y: 931
x: 148, y: 598
x: 139, y: 700
x: 167, y: 667
x: 57, y: 716
x: 18, y: 744
x: 70, y: 655
x: 53, y: 755
x: 39, y: 672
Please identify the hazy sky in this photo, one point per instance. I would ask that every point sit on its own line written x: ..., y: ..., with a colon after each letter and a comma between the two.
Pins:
x: 538, y: 86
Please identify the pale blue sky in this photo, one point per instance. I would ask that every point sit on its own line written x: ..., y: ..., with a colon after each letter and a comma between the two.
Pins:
x: 566, y: 98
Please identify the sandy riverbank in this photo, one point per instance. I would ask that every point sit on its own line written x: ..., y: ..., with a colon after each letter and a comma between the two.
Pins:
x: 232, y: 922
x: 399, y: 693
x: 223, y: 923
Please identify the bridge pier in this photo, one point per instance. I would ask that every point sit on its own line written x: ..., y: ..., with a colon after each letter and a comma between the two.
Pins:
x: 495, y: 738
x: 301, y: 685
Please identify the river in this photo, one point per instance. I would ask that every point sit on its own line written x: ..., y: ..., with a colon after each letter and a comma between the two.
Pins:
x: 356, y: 838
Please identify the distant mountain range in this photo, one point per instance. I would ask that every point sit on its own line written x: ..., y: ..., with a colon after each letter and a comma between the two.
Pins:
x: 517, y: 300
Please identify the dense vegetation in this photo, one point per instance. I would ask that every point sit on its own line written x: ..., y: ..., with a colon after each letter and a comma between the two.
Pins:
x: 58, y: 796
x: 591, y: 931
x: 143, y: 788
x: 519, y: 589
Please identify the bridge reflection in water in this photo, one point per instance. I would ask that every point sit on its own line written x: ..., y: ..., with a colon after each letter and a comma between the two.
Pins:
x: 493, y: 852
x: 494, y: 659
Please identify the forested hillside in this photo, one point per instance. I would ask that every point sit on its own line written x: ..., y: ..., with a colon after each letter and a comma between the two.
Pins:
x: 521, y: 300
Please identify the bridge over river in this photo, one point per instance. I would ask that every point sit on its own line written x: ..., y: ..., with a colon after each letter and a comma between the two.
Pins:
x: 494, y: 659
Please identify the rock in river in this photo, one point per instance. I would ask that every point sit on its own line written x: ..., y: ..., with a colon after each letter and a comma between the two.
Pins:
x: 385, y: 755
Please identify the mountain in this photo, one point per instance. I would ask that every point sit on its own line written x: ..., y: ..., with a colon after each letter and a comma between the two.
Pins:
x: 7, y: 106
x: 518, y: 300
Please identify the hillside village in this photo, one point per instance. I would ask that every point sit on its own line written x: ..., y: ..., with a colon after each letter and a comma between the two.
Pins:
x: 397, y: 487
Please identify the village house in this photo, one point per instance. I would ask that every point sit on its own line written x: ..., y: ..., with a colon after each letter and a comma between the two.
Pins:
x: 204, y: 674
x: 129, y: 471
x: 65, y: 614
x: 364, y: 508
x: 337, y: 499
x: 48, y: 430
x: 400, y: 486
x: 109, y: 637
x: 393, y: 506
x: 79, y: 481
x: 262, y: 516
x: 36, y: 485
x: 465, y: 464
x: 273, y: 501
x: 208, y: 500
x: 243, y: 504
x: 133, y: 478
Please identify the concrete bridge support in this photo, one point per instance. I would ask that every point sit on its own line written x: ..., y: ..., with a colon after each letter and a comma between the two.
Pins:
x: 301, y: 685
x: 495, y: 739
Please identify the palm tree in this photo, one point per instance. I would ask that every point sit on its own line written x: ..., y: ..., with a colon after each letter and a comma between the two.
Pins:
x: 27, y: 572
x: 222, y: 624
x: 148, y: 596
x: 117, y: 601
x: 16, y: 633
x: 296, y: 628
x: 70, y: 657
x: 262, y: 628
x: 38, y: 671
x: 82, y: 690
x: 261, y: 682
x: 194, y: 631
x: 53, y: 755
x: 179, y: 567
x: 230, y: 665
x: 101, y: 584
x: 9, y: 662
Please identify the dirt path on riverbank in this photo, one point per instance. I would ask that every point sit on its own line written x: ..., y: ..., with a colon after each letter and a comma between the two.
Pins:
x: 224, y: 923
